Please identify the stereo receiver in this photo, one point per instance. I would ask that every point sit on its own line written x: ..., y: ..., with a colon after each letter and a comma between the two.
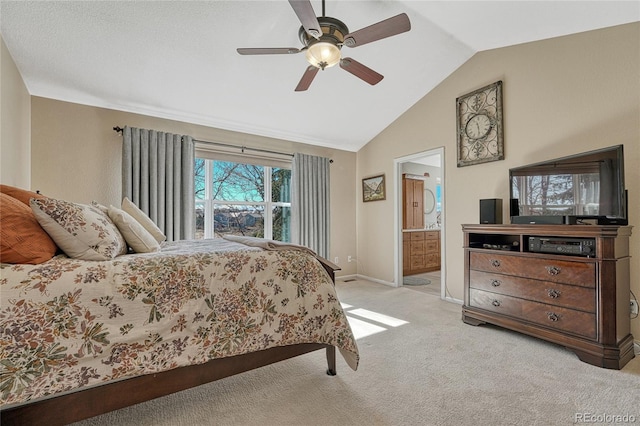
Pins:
x: 559, y: 245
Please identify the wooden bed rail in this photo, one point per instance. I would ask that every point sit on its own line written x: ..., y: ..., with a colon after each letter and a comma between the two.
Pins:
x: 330, y: 267
x: 69, y: 408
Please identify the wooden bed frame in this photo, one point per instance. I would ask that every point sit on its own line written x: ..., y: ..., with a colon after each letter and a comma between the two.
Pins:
x: 83, y: 404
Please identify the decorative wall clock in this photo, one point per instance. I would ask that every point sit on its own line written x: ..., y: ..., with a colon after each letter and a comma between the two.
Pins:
x: 479, y: 126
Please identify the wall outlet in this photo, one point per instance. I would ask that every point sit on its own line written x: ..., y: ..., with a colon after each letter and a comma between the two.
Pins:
x: 336, y: 260
x: 634, y: 307
x: 349, y: 259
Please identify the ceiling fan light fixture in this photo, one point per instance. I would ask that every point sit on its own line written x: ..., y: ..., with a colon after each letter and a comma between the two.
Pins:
x: 323, y: 38
x: 323, y: 54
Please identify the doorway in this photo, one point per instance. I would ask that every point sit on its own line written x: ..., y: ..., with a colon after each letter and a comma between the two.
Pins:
x: 427, y: 166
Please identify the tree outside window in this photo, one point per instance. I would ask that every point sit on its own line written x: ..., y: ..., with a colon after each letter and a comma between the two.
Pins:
x: 242, y: 199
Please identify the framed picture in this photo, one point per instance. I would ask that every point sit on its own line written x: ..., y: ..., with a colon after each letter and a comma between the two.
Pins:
x: 373, y: 188
x: 479, y: 126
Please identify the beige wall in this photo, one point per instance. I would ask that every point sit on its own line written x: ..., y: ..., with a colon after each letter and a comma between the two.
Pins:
x: 15, y: 124
x: 561, y: 96
x: 76, y: 156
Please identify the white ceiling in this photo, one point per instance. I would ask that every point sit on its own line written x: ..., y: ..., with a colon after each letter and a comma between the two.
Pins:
x: 178, y: 59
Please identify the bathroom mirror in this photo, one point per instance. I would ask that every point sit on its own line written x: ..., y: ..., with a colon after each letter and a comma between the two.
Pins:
x: 429, y: 201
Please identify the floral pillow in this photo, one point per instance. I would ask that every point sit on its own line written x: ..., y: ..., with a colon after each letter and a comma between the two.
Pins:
x: 81, y: 231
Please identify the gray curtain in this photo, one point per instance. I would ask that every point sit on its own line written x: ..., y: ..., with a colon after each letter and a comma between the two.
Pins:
x: 157, y: 175
x: 310, y: 203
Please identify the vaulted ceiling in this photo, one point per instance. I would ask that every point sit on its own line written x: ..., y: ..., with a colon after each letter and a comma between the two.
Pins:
x: 178, y: 59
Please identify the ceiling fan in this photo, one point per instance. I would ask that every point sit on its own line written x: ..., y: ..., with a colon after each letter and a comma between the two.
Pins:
x: 323, y: 38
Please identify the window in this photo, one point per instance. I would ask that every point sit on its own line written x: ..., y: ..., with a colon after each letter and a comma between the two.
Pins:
x: 242, y: 199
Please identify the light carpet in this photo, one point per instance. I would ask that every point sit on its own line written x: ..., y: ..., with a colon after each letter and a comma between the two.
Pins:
x: 431, y: 370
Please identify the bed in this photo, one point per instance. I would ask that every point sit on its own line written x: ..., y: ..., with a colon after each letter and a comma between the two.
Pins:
x: 80, y: 338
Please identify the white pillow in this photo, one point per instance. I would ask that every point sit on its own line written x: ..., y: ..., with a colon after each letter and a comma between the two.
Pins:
x: 138, y: 238
x: 81, y: 231
x: 143, y: 219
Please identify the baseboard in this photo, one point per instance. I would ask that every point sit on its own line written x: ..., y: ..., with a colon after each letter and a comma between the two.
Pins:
x: 352, y: 277
x: 453, y: 300
x: 375, y: 280
x: 391, y: 284
x: 347, y: 277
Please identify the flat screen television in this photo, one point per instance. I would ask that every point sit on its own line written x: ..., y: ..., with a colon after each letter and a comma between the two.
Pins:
x: 582, y: 188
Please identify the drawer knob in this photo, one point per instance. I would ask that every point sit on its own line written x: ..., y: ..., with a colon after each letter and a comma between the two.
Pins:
x: 495, y: 302
x: 553, y: 293
x: 496, y: 283
x: 553, y: 317
x: 495, y: 263
x: 553, y: 270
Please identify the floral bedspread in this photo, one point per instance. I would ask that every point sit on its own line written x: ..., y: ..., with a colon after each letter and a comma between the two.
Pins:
x: 66, y: 324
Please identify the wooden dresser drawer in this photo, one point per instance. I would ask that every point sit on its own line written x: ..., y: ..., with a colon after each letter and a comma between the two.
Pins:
x: 432, y: 235
x: 432, y: 260
x: 417, y: 247
x: 569, y: 296
x: 567, y: 320
x: 417, y: 262
x: 560, y: 271
x: 431, y: 245
x: 499, y: 303
x: 417, y: 235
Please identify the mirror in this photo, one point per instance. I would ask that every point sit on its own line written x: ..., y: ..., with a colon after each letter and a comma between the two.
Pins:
x: 429, y: 201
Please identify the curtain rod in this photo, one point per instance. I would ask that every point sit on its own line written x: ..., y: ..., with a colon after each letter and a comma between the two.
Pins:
x: 227, y: 145
x: 243, y: 148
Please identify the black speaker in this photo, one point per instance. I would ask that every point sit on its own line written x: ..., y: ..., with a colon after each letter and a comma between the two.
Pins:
x: 491, y: 210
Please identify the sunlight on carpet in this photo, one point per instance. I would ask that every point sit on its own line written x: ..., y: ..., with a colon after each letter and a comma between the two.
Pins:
x: 370, y: 322
x: 378, y: 317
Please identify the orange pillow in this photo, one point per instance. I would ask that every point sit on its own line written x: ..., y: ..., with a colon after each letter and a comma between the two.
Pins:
x: 19, y: 194
x: 22, y: 239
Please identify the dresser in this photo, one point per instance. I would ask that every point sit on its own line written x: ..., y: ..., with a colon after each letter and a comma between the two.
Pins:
x: 567, y: 284
x: 421, y: 251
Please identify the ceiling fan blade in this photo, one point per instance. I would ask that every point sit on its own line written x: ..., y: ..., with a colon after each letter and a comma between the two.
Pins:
x: 307, y: 78
x: 383, y: 29
x: 267, y: 50
x: 363, y: 72
x: 307, y: 17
